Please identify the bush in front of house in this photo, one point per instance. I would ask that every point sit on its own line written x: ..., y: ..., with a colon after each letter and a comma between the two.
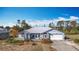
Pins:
x: 76, y: 40
x: 34, y: 44
x: 46, y: 41
x: 13, y: 41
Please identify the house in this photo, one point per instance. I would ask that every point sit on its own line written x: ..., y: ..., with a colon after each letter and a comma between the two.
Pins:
x: 4, y: 34
x: 36, y: 33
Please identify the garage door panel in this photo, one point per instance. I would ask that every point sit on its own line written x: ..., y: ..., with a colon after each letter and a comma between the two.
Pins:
x: 56, y: 37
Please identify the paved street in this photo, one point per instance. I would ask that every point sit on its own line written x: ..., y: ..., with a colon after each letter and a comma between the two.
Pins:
x: 61, y: 45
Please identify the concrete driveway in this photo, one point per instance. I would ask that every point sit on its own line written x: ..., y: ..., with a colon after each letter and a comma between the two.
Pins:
x: 61, y: 45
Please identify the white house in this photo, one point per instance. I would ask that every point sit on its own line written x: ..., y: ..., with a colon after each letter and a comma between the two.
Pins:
x: 41, y: 33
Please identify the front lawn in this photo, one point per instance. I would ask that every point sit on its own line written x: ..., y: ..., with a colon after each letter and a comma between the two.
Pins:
x: 74, y: 37
x: 24, y: 46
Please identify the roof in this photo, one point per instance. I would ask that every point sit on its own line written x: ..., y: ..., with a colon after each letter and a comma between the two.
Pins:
x: 38, y: 30
x: 43, y: 30
x: 55, y: 32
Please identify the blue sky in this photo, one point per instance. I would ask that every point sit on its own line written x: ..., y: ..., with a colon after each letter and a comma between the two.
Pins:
x: 37, y: 15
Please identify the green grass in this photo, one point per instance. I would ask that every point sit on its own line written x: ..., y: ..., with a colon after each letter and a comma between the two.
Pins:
x: 76, y: 41
x: 72, y: 37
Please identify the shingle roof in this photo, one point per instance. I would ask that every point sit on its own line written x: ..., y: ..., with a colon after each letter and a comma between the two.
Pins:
x: 56, y: 32
x: 38, y: 30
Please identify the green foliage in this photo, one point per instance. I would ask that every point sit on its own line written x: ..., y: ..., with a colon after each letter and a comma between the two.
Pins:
x: 76, y: 40
x: 7, y: 27
x: 51, y: 25
x: 13, y: 41
x: 18, y: 28
x: 77, y: 28
x: 74, y: 30
x: 60, y: 23
x: 24, y: 25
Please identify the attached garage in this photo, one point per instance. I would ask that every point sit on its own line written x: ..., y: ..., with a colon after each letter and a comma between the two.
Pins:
x: 56, y: 35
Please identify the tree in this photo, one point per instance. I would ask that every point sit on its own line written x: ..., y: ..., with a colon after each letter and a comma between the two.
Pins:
x: 73, y: 23
x: 24, y: 25
x: 18, y: 21
x: 77, y: 27
x: 51, y: 25
x: 60, y: 24
x: 13, y: 31
x: 19, y: 28
x: 67, y: 23
x: 1, y: 26
x: 67, y: 26
x: 44, y: 25
x: 7, y: 27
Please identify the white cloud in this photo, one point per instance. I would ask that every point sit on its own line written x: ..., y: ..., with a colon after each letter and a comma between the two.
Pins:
x: 61, y: 18
x: 74, y: 18
x: 39, y: 22
x: 70, y: 18
x: 7, y: 24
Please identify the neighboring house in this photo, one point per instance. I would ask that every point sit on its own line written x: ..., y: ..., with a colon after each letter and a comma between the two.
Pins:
x: 3, y: 33
x: 41, y: 33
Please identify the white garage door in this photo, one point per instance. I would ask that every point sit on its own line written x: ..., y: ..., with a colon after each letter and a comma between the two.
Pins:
x: 56, y: 37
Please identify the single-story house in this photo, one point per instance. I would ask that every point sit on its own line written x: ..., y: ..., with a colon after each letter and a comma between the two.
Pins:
x: 36, y: 33
x: 3, y: 34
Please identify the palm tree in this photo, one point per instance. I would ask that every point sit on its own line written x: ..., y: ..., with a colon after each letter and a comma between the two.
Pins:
x: 51, y: 25
x: 60, y: 24
x: 66, y: 23
x: 73, y: 23
x: 18, y: 23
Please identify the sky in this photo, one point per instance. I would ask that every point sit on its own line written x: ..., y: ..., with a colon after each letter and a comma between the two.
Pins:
x: 37, y: 15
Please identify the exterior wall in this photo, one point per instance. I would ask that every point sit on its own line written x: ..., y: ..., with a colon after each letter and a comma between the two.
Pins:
x: 33, y: 36
x: 20, y: 37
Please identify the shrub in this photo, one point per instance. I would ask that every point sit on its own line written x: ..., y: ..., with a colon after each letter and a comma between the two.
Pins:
x: 13, y: 41
x: 34, y: 44
x: 76, y: 40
